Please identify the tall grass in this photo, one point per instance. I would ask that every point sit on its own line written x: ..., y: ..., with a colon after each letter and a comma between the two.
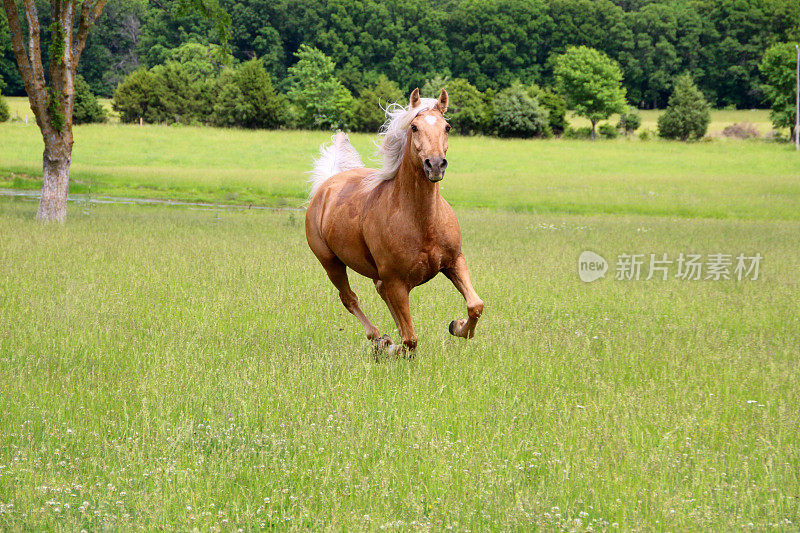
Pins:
x: 172, y: 369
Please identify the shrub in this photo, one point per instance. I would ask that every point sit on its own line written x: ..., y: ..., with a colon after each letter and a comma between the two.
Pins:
x: 468, y: 112
x: 556, y: 107
x: 578, y: 133
x: 687, y: 114
x: 516, y: 114
x: 368, y: 114
x: 319, y: 100
x: 645, y: 135
x: 608, y: 131
x: 741, y: 130
x: 5, y: 114
x: 138, y: 96
x: 629, y: 121
x: 179, y: 95
x: 165, y: 93
x: 247, y: 98
x: 87, y: 109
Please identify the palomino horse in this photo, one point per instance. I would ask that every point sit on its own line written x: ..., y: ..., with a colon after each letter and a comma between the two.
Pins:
x: 391, y: 225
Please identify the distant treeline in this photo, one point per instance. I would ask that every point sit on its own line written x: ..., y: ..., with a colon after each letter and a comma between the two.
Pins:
x: 490, y: 43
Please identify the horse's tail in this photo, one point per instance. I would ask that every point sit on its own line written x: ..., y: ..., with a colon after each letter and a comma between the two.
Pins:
x: 333, y: 159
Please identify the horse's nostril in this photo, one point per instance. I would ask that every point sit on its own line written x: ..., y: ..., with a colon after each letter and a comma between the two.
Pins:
x: 444, y: 163
x: 427, y: 163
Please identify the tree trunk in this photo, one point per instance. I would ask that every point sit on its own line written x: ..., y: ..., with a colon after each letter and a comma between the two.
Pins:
x: 55, y: 178
x: 594, y: 135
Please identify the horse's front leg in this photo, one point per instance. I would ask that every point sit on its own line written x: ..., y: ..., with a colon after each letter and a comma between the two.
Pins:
x: 395, y: 294
x: 459, y: 275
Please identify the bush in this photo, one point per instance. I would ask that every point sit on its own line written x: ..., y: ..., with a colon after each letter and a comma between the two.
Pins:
x: 516, y: 114
x: 645, y: 135
x: 556, y: 106
x: 629, y: 121
x: 578, y: 133
x: 166, y: 93
x: 87, y: 109
x: 319, y: 100
x: 5, y: 114
x: 246, y: 98
x: 687, y: 115
x: 608, y: 131
x: 741, y: 130
x: 468, y: 112
x: 137, y: 97
x: 368, y: 114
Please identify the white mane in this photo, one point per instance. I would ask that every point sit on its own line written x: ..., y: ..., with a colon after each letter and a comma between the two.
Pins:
x: 394, y: 132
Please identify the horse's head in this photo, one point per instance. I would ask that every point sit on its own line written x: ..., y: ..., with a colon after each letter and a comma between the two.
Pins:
x: 428, y: 133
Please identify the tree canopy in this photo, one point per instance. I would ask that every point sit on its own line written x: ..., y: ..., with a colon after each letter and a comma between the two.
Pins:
x: 489, y: 43
x: 591, y: 82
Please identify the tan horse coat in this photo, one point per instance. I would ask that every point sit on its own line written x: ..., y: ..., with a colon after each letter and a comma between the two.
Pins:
x: 399, y: 232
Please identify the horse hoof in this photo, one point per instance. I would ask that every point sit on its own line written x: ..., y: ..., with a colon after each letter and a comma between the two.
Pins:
x: 452, y: 327
x: 382, y: 342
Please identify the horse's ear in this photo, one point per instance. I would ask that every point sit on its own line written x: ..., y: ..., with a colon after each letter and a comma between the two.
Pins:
x: 414, y: 101
x: 443, y: 101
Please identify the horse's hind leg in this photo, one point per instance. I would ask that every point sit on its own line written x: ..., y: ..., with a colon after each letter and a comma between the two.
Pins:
x: 337, y: 272
x: 395, y: 294
x: 459, y: 275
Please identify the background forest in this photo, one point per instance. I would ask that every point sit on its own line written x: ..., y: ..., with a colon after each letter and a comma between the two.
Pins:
x: 489, y: 43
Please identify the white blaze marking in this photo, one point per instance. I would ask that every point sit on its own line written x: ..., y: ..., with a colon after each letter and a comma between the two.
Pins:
x: 430, y: 119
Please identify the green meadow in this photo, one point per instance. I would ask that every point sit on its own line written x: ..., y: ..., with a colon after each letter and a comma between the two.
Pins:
x: 182, y: 369
x: 717, y: 179
x: 165, y: 368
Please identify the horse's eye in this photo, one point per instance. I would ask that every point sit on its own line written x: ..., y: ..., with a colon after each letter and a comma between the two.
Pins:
x: 447, y: 128
x: 413, y: 127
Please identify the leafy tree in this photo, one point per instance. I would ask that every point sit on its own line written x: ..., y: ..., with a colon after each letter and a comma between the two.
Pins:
x: 180, y: 98
x: 687, y: 114
x: 87, y: 108
x: 517, y: 114
x: 368, y: 113
x: 779, y: 69
x: 468, y: 111
x: 8, y: 67
x: 137, y: 97
x: 433, y: 86
x: 246, y: 98
x: 556, y: 107
x: 5, y: 114
x: 52, y: 97
x: 495, y: 42
x: 319, y: 99
x: 111, y: 49
x: 200, y: 61
x: 629, y: 121
x: 591, y: 82
x: 666, y: 39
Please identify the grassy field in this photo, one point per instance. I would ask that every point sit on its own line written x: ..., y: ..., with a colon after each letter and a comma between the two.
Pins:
x: 719, y: 179
x: 720, y: 118
x: 180, y: 369
x: 164, y: 368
